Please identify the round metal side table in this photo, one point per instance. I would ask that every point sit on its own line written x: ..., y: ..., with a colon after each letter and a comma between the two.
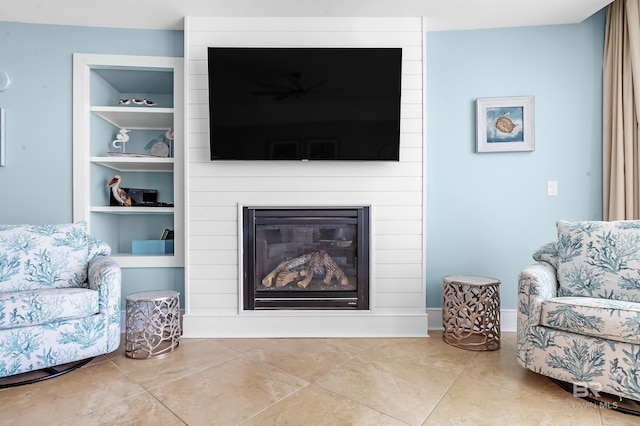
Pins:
x: 153, y: 324
x: 471, y: 312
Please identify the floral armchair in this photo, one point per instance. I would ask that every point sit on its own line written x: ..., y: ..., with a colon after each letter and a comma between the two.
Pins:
x: 59, y: 297
x: 579, y: 308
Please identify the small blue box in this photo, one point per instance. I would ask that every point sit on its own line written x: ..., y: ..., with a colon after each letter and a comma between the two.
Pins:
x: 152, y: 246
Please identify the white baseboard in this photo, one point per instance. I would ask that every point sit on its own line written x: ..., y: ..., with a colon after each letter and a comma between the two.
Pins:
x: 507, y: 319
x: 316, y: 324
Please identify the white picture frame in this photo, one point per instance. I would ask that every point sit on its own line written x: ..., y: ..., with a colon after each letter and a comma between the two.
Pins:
x: 505, y: 124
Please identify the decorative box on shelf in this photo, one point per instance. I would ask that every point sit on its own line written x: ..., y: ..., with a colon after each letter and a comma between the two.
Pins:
x: 152, y: 246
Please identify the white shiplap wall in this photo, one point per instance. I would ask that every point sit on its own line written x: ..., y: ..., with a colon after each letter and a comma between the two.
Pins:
x: 215, y: 190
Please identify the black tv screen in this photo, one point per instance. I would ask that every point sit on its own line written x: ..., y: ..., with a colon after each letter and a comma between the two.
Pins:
x: 304, y: 103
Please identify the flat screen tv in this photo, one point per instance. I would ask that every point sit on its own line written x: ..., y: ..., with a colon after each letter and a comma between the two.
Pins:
x: 304, y: 103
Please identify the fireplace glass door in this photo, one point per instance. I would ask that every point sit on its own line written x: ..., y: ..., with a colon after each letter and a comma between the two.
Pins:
x: 306, y: 258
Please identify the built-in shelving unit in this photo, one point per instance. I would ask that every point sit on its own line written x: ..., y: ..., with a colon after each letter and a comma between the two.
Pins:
x: 100, y: 82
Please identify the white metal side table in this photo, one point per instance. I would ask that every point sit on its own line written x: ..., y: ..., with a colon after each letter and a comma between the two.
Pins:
x: 153, y: 327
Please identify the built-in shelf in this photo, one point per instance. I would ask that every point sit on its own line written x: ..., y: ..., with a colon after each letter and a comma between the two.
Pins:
x: 135, y: 164
x: 138, y: 118
x: 132, y: 210
x: 99, y: 81
x: 128, y: 260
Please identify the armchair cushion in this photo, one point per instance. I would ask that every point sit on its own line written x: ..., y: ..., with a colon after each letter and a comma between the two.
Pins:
x: 38, y: 256
x: 547, y: 253
x: 35, y: 307
x: 607, y: 319
x: 599, y: 259
x: 97, y: 247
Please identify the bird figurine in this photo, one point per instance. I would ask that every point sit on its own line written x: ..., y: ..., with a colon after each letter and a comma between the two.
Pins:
x: 159, y: 147
x: 119, y: 194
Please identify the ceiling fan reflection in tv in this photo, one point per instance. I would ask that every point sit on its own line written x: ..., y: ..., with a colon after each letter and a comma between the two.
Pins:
x: 294, y: 87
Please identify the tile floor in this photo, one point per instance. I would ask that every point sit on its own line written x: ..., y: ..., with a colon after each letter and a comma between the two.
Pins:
x: 420, y: 381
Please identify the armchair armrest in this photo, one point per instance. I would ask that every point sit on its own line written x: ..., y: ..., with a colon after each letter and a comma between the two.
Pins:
x: 105, y: 276
x: 536, y: 283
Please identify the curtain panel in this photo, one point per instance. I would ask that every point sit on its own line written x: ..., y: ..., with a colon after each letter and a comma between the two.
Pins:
x: 621, y: 109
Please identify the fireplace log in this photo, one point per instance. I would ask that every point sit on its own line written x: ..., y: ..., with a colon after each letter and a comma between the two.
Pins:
x: 285, y: 278
x: 303, y: 268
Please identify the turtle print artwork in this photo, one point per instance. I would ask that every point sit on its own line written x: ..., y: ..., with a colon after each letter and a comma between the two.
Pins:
x: 505, y: 124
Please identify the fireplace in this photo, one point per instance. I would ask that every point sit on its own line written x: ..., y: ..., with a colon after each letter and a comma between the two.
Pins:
x: 306, y: 258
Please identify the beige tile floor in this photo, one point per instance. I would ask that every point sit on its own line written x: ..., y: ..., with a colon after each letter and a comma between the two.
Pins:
x: 421, y: 381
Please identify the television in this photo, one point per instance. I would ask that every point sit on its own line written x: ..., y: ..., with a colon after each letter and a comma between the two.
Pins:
x: 304, y: 103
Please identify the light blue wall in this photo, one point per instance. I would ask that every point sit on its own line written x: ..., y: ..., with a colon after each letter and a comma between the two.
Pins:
x: 487, y: 213
x: 36, y: 183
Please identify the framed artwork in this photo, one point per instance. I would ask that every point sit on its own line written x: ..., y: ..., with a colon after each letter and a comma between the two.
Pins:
x: 505, y: 124
x: 3, y: 139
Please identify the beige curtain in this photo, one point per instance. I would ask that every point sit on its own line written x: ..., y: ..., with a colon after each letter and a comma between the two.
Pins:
x: 621, y: 109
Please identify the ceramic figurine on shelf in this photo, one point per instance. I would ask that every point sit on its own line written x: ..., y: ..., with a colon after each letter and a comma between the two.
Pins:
x: 118, y: 193
x: 121, y: 138
x: 161, y: 147
x: 136, y: 101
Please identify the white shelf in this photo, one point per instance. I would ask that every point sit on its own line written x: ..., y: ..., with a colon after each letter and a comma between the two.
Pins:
x: 132, y: 210
x: 127, y: 260
x: 138, y: 118
x: 135, y: 164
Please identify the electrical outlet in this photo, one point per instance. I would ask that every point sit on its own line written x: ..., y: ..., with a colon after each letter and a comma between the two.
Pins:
x: 552, y: 188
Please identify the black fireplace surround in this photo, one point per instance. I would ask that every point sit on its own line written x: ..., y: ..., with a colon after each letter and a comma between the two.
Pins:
x: 306, y: 258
